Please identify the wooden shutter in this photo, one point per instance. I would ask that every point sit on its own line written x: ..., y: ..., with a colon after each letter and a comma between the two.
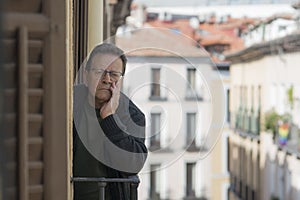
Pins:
x: 36, y: 109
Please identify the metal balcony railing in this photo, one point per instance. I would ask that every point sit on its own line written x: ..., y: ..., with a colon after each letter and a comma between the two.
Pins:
x: 102, y: 182
x: 248, y: 122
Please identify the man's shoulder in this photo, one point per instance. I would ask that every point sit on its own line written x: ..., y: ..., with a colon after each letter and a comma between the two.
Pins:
x: 79, y: 87
x: 126, y: 101
x: 131, y: 106
x: 79, y: 95
x: 79, y: 91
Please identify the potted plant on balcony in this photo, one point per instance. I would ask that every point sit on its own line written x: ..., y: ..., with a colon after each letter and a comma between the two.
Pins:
x: 271, y: 121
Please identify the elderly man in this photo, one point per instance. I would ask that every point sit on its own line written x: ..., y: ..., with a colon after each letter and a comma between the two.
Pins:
x: 109, y: 129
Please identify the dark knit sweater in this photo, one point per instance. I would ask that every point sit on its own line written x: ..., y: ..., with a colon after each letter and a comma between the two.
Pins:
x: 125, y: 129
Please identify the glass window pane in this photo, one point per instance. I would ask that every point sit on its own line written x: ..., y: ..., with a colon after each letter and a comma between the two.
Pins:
x: 190, y: 179
x: 155, y: 181
x: 190, y: 127
x: 155, y: 129
x: 155, y: 84
x: 191, y: 78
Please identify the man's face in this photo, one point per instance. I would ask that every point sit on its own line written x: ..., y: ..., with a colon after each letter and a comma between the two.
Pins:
x: 99, y: 82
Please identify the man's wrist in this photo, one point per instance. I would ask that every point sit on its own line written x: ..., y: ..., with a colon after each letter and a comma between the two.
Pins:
x: 104, y: 115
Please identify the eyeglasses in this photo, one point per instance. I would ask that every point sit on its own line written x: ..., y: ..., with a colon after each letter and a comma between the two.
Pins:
x: 99, y: 73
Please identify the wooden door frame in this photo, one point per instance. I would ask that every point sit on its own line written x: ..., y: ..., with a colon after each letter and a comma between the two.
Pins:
x: 58, y: 81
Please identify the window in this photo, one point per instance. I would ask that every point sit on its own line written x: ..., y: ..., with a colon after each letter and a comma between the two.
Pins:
x: 155, y: 182
x: 235, y: 2
x: 157, y: 92
x: 193, y: 91
x: 190, y: 179
x: 155, y: 131
x: 259, y: 96
x: 228, y: 105
x: 155, y: 87
x: 191, y: 77
x: 190, y: 130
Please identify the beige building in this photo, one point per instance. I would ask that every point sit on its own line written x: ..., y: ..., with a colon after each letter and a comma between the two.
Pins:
x: 175, y: 84
x: 219, y: 154
x: 263, y: 163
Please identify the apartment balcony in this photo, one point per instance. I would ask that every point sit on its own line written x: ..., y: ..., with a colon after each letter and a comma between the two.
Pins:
x: 154, y: 145
x: 191, y: 194
x: 102, y: 183
x: 240, y: 190
x: 195, y: 198
x: 156, y: 196
x: 191, y: 146
x: 191, y: 95
x: 157, y: 98
x: 247, y: 123
x: 287, y: 137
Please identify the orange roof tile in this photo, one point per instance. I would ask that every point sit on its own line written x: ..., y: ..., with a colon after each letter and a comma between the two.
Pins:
x: 166, y: 36
x: 159, y: 42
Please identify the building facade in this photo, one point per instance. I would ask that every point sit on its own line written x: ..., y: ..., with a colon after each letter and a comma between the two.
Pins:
x: 264, y: 142
x: 174, y: 83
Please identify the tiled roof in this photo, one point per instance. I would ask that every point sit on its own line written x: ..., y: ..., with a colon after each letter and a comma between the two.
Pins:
x: 158, y: 42
x: 181, y: 25
x: 289, y: 43
x: 216, y: 33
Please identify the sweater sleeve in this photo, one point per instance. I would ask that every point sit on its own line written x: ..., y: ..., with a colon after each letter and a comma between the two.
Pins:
x: 128, y: 133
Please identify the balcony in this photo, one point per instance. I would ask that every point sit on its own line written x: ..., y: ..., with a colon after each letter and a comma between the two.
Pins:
x: 154, y: 145
x: 193, y: 95
x: 157, y: 98
x: 102, y: 182
x: 248, y: 122
x: 287, y: 137
x: 239, y: 190
x: 286, y: 134
x: 157, y: 92
x: 191, y: 146
x: 195, y: 198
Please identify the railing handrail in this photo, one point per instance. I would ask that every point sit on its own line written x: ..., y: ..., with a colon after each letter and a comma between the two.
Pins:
x: 133, y: 179
x: 102, y: 182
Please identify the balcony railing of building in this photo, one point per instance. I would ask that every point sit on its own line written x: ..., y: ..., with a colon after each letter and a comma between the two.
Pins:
x: 102, y: 182
x: 241, y: 190
x: 287, y: 137
x: 154, y: 144
x: 248, y: 121
x: 191, y: 95
x: 192, y: 146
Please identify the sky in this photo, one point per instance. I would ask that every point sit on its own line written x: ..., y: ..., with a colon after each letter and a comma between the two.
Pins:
x: 200, y: 2
x: 195, y: 7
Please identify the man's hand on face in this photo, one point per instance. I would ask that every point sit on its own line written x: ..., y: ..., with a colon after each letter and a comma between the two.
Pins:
x: 111, y: 106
